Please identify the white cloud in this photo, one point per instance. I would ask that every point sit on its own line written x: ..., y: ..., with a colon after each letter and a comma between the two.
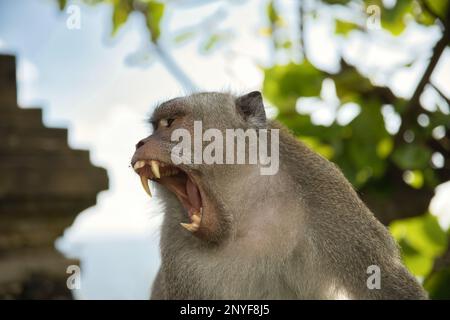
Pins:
x: 27, y: 71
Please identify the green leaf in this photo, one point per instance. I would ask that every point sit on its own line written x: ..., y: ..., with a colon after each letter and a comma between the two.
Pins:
x: 350, y: 84
x: 155, y: 12
x: 412, y: 156
x: 384, y: 147
x: 301, y: 125
x: 414, y: 178
x: 421, y: 240
x: 121, y: 11
x: 272, y: 13
x: 438, y: 118
x: 336, y: 1
x: 430, y: 177
x: 344, y: 27
x: 325, y: 150
x: 393, y: 19
x: 360, y: 150
x: 62, y: 4
x: 283, y: 85
x: 213, y: 41
x: 425, y: 18
x: 417, y: 264
x: 438, y: 284
x: 286, y: 45
x: 438, y: 7
x: 184, y: 36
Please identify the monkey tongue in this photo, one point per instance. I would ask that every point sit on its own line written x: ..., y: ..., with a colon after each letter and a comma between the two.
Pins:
x: 193, y: 195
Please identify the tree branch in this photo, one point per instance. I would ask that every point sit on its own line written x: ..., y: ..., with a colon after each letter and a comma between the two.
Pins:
x: 174, y: 69
x: 302, y: 27
x: 430, y: 10
x: 166, y: 58
x: 413, y: 108
x: 447, y: 100
x: 384, y: 94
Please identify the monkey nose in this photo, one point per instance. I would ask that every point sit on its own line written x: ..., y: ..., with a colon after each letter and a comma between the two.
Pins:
x: 140, y: 144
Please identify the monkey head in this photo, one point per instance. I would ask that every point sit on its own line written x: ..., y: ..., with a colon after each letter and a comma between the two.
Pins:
x: 203, y: 191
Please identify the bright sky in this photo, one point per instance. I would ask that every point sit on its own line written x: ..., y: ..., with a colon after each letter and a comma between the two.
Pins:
x: 82, y: 81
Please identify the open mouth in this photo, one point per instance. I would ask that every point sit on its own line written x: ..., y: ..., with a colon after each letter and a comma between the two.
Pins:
x: 178, y: 182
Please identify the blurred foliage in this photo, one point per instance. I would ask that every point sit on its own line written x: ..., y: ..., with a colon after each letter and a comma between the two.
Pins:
x: 393, y: 171
x: 152, y: 10
x: 422, y: 241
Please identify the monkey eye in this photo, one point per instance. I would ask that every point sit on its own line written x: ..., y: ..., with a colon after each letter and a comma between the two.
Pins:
x: 165, y: 122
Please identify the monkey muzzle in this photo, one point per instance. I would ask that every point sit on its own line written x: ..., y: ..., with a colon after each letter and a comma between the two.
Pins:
x: 178, y: 182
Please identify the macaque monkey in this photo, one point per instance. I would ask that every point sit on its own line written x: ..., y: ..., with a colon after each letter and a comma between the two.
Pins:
x: 230, y: 232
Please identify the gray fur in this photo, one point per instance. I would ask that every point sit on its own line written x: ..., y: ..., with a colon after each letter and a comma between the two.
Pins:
x: 300, y: 234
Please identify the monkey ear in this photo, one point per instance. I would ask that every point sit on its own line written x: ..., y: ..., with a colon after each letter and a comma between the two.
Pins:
x: 251, y: 107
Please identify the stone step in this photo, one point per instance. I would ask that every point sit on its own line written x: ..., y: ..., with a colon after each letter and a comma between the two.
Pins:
x: 32, y: 139
x: 19, y: 230
x: 75, y: 182
x: 68, y: 158
x: 33, y: 209
x: 18, y: 118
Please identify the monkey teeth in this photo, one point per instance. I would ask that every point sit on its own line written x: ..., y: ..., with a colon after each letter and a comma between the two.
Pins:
x: 155, y: 168
x: 190, y: 226
x: 177, y: 181
x: 195, y: 224
x: 154, y: 172
x: 196, y: 219
x: 139, y: 164
x: 144, y: 181
x: 155, y: 165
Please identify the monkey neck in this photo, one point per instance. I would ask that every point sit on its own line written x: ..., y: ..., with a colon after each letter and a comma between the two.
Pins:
x: 306, y: 171
x: 257, y: 205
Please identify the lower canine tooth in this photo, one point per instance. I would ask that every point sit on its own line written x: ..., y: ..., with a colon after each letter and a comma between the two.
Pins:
x: 144, y: 182
x: 190, y: 226
x: 196, y: 219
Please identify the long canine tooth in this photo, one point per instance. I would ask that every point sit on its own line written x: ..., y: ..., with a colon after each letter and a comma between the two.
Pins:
x: 155, y: 168
x: 196, y: 219
x: 190, y: 226
x: 139, y: 164
x: 195, y: 225
x: 144, y: 182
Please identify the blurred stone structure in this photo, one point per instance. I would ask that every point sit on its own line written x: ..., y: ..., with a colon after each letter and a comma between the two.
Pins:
x: 44, y: 184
